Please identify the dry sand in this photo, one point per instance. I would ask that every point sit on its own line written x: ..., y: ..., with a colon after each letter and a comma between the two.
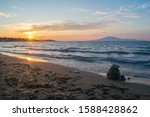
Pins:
x: 29, y: 79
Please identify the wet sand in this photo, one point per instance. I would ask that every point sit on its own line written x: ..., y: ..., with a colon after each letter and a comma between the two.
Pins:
x: 26, y: 79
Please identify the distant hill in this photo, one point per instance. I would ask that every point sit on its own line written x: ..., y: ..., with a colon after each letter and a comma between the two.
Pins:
x: 111, y: 38
x: 5, y: 39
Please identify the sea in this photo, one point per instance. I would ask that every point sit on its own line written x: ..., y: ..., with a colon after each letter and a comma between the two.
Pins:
x: 133, y: 57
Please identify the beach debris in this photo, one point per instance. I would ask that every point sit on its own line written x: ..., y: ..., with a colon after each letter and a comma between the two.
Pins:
x: 114, y: 73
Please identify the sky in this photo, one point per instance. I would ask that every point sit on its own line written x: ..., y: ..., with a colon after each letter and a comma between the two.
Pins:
x: 74, y: 20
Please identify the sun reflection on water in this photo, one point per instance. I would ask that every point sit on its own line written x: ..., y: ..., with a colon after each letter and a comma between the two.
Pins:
x: 25, y: 57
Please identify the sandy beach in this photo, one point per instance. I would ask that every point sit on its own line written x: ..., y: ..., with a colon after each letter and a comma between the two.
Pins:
x: 29, y: 79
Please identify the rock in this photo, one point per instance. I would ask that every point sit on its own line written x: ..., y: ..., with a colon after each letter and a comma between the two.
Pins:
x: 114, y: 73
x: 122, y: 78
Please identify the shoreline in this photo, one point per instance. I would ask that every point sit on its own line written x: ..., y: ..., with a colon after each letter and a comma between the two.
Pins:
x: 27, y: 79
x: 136, y: 80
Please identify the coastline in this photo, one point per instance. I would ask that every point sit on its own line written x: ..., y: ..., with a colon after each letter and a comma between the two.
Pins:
x: 137, y: 80
x: 33, y: 79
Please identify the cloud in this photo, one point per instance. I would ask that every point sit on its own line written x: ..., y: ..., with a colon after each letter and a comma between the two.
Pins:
x: 121, y: 14
x: 128, y: 12
x: 145, y: 5
x: 133, y: 16
x: 124, y: 9
x: 7, y: 15
x: 100, y: 13
x: 82, y: 9
x: 118, y: 15
x: 67, y: 26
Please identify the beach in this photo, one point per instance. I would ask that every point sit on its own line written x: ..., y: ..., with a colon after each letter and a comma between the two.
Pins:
x: 29, y: 79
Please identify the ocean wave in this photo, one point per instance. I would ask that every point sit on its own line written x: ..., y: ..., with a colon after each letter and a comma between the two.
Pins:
x: 142, y: 53
x: 145, y: 47
x: 81, y: 50
x: 15, y: 46
x: 133, y: 55
x: 61, y: 56
x: 127, y: 61
x: 87, y: 50
x: 7, y: 46
x: 95, y: 59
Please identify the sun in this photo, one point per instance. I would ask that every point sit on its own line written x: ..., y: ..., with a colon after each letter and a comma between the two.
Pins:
x: 30, y: 37
x: 29, y: 59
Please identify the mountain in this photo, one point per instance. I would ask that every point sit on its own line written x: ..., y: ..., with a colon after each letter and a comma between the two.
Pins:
x: 111, y: 38
x: 5, y: 39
